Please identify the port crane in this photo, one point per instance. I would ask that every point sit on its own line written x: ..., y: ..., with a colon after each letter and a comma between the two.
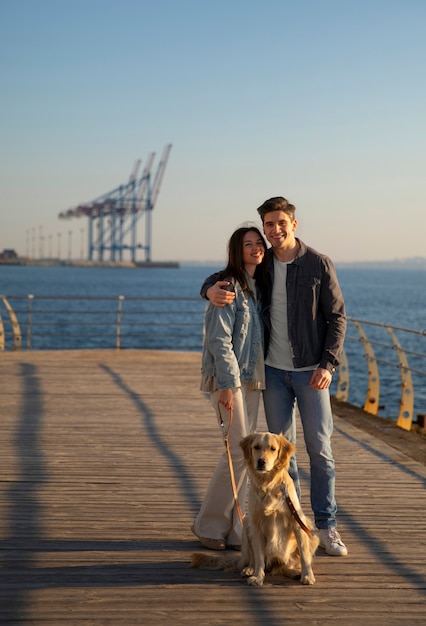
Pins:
x: 113, y: 217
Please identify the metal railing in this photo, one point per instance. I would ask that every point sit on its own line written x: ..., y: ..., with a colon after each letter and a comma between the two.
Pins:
x: 385, y: 356
x: 74, y: 322
x: 389, y: 353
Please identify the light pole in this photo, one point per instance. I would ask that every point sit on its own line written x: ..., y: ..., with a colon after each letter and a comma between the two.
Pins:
x: 40, y: 242
x: 69, y: 244
x: 81, y: 243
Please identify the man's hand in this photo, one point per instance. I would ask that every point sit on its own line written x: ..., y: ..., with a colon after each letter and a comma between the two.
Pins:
x: 321, y: 379
x: 218, y: 296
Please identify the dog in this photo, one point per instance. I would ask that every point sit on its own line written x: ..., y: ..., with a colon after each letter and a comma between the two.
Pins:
x: 277, y: 537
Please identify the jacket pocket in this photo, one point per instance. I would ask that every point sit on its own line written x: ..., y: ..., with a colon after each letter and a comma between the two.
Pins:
x: 308, y: 287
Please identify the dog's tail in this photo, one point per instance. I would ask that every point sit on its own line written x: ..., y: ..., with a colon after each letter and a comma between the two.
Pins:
x: 213, y: 561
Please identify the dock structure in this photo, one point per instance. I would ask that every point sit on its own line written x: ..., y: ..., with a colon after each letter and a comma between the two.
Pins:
x: 114, y: 216
x: 105, y: 457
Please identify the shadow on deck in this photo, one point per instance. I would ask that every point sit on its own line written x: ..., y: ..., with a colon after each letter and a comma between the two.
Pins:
x: 104, y: 459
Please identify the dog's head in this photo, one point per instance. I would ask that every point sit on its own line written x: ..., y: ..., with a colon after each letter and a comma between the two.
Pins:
x: 264, y: 452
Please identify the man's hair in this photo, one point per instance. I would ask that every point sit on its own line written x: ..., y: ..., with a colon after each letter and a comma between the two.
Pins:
x: 277, y: 204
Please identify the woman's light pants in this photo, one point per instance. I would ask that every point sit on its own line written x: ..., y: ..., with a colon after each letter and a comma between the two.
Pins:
x: 218, y: 517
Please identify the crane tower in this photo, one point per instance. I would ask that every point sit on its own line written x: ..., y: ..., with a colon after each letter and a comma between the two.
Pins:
x: 113, y: 217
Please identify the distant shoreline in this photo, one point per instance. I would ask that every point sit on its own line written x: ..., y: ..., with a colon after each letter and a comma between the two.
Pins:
x: 416, y: 263
x: 24, y: 262
x: 397, y: 264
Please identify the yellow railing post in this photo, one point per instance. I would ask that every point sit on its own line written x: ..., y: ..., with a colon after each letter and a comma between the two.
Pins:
x: 342, y: 392
x: 371, y: 404
x: 17, y: 337
x: 1, y: 335
x: 405, y: 416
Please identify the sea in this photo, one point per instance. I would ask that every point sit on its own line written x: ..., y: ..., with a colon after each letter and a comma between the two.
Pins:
x: 382, y: 296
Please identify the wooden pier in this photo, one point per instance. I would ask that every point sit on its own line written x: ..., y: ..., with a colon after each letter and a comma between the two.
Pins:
x: 104, y: 459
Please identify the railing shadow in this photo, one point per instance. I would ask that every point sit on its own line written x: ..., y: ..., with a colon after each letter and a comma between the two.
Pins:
x: 189, y: 488
x: 25, y: 535
x: 25, y: 511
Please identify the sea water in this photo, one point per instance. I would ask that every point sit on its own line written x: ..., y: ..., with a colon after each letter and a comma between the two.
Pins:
x: 383, y: 296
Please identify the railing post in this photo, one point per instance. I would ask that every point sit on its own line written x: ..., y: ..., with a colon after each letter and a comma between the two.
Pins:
x: 119, y: 314
x: 405, y: 416
x: 342, y: 392
x: 30, y: 320
x: 1, y: 335
x: 17, y: 337
x: 371, y: 404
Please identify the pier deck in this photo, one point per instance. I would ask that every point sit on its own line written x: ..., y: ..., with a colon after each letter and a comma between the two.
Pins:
x: 104, y: 460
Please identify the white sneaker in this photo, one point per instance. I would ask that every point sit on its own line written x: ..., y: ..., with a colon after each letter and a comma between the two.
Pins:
x: 331, y: 541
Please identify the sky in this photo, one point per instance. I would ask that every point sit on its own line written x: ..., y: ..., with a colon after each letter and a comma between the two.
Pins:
x: 322, y: 102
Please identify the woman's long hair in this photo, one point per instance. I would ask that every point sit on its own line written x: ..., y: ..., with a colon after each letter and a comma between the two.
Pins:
x: 235, y: 268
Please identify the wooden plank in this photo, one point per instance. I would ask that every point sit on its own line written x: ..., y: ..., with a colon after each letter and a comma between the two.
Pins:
x: 104, y: 460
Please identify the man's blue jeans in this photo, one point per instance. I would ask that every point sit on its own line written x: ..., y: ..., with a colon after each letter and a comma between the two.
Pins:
x: 283, y: 389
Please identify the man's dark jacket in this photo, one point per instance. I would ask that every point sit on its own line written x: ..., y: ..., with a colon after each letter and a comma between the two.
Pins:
x: 316, y: 313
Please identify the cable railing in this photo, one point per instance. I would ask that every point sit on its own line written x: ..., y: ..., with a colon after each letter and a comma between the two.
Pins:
x: 383, y: 366
x: 381, y: 357
x: 73, y: 322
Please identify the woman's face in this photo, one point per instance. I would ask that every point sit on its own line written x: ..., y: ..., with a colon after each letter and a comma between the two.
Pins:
x: 253, y: 250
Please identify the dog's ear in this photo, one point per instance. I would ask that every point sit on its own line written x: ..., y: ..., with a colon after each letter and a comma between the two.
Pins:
x: 286, y: 450
x: 245, y: 445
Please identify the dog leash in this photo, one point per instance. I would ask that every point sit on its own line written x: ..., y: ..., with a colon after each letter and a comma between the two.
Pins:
x: 231, y: 467
x: 294, y: 512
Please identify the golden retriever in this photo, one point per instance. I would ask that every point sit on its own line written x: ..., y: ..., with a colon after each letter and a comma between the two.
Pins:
x: 274, y: 540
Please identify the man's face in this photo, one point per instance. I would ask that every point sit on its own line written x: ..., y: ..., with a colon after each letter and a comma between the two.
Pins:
x: 279, y: 229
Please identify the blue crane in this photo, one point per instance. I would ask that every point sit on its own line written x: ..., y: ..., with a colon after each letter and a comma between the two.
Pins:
x: 113, y: 217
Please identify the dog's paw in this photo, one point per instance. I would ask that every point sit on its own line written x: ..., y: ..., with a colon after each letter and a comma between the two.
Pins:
x: 256, y: 581
x: 307, y: 579
x: 247, y: 571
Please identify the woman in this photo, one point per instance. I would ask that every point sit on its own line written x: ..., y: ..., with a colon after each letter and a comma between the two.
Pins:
x: 233, y: 374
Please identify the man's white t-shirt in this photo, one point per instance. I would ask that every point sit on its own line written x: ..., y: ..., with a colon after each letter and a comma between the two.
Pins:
x: 279, y: 351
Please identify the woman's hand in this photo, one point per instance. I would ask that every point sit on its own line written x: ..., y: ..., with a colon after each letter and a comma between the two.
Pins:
x: 226, y: 397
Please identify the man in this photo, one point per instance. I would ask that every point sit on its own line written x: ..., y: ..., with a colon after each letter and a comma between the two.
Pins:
x: 305, y: 324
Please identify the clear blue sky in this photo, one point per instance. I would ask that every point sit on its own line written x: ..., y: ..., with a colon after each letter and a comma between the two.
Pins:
x: 320, y: 101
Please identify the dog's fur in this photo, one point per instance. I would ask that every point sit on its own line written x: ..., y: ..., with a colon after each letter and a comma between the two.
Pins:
x: 273, y: 541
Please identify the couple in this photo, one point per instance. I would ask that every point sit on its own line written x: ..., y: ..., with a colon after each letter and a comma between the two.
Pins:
x: 275, y: 322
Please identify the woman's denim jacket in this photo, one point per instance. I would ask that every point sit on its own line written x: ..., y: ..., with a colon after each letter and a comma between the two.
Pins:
x: 233, y: 338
